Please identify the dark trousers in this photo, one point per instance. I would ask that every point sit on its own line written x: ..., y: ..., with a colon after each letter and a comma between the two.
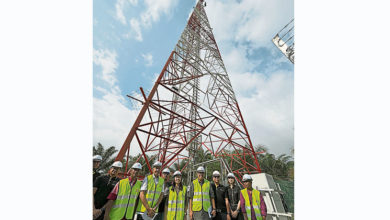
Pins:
x: 220, y: 216
x: 240, y: 217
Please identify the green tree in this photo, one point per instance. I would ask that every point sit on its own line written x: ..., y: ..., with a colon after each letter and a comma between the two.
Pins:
x: 107, y: 156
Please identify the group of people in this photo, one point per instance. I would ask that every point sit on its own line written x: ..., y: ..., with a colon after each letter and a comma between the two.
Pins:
x: 157, y: 198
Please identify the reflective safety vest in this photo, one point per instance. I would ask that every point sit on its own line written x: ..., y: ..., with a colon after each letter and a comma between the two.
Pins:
x: 125, y: 200
x: 176, y: 204
x: 201, y: 196
x: 153, y: 193
x: 255, y: 203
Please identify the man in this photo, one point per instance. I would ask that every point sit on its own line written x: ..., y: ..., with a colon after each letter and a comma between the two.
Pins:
x: 96, y: 163
x: 123, y: 198
x: 102, y: 186
x: 252, y: 203
x: 199, y: 194
x: 165, y: 175
x: 221, y: 198
x: 152, y: 192
x: 234, y: 198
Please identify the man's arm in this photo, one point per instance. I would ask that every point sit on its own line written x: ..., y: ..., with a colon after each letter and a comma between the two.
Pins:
x: 158, y: 201
x: 190, y: 208
x: 214, y: 212
x: 142, y: 197
x: 108, y: 206
x: 93, y: 197
x: 227, y: 201
x: 263, y: 207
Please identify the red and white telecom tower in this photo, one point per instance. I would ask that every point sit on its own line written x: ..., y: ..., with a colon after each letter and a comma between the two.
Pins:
x: 192, y: 105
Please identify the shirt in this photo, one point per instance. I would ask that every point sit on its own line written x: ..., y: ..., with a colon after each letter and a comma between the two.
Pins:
x: 234, y: 196
x: 114, y: 193
x: 144, y: 186
x: 220, y: 194
x: 191, y: 190
x: 263, y: 208
x: 104, y: 185
x: 95, y: 175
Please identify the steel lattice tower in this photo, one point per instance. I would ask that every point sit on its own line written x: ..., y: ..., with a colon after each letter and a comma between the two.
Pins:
x: 192, y: 105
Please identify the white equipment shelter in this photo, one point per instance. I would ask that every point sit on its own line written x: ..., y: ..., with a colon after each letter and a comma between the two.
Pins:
x: 271, y: 193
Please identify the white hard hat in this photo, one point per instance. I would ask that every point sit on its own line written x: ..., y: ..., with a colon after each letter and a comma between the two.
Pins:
x: 157, y: 164
x: 246, y: 177
x: 230, y: 175
x: 216, y: 173
x: 200, y: 169
x: 97, y: 158
x: 117, y: 164
x: 166, y: 170
x: 177, y: 173
x: 136, y: 166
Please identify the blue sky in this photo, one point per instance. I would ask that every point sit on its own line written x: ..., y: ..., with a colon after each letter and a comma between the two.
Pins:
x: 132, y: 40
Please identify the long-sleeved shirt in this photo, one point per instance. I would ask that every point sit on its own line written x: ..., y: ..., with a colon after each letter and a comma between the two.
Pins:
x: 263, y: 207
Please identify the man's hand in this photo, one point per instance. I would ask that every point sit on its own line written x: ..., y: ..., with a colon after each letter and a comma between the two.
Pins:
x: 234, y: 214
x: 214, y: 212
x: 151, y: 212
x: 96, y: 213
x: 191, y: 215
x: 228, y: 217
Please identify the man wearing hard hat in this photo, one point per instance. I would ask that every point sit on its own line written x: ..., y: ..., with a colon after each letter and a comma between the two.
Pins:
x: 252, y: 203
x: 201, y: 197
x: 152, y: 192
x: 124, y: 197
x: 221, y: 198
x: 97, y: 159
x: 102, y: 187
x: 165, y: 175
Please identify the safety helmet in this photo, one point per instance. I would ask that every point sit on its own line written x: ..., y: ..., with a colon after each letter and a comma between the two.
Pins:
x: 177, y: 173
x: 166, y: 170
x: 246, y: 177
x: 136, y: 166
x: 97, y: 158
x: 216, y: 173
x: 157, y: 164
x: 200, y: 169
x: 230, y: 175
x: 117, y: 164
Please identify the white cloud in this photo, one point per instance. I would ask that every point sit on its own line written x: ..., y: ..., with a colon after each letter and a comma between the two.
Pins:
x: 133, y: 2
x: 111, y: 117
x: 148, y: 59
x: 106, y: 59
x: 267, y: 105
x: 136, y: 28
x: 154, y: 9
x: 119, y: 11
x: 253, y: 21
x: 266, y: 97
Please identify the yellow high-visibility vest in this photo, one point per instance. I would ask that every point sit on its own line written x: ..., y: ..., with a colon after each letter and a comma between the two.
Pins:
x: 125, y: 200
x: 255, y: 203
x: 176, y: 204
x: 201, y: 197
x: 153, y: 193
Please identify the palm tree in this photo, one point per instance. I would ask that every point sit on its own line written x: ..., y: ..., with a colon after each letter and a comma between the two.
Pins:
x: 106, y: 154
